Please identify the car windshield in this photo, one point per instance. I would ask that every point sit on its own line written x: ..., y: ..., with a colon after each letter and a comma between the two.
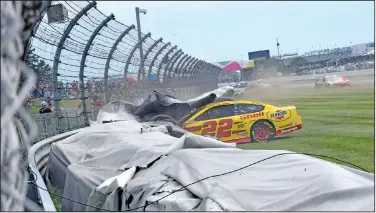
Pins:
x: 334, y: 78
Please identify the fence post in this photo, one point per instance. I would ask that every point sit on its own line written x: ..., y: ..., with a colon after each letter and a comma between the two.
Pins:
x: 188, y: 73
x: 109, y: 57
x: 184, y: 66
x: 162, y: 61
x: 142, y: 72
x: 59, y: 48
x: 68, y: 123
x: 197, y: 67
x: 137, y: 45
x: 45, y: 127
x: 166, y: 72
x: 182, y: 59
x: 82, y: 65
x: 156, y: 56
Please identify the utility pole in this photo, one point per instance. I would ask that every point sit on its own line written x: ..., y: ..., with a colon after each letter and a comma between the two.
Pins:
x: 139, y: 39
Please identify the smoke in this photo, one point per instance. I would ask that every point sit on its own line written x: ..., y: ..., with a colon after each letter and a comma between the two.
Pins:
x: 116, y: 110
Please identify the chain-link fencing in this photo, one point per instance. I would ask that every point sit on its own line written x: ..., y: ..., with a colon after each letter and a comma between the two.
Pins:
x: 87, y: 59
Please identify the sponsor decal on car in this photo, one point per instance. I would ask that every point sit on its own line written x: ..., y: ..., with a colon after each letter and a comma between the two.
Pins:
x: 240, y: 126
x: 242, y: 134
x: 253, y: 115
x: 279, y: 115
x: 288, y: 130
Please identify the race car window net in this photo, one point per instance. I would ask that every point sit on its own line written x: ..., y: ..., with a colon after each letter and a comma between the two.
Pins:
x: 248, y: 108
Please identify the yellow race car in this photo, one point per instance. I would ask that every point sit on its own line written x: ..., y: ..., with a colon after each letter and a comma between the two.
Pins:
x: 228, y: 120
x: 242, y: 121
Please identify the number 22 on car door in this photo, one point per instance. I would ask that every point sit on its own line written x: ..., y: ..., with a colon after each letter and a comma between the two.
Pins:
x: 220, y: 128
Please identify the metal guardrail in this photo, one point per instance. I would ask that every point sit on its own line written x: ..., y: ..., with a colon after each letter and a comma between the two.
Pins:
x: 38, y: 157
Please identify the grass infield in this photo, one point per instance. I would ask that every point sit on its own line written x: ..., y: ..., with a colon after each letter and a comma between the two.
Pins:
x: 337, y: 122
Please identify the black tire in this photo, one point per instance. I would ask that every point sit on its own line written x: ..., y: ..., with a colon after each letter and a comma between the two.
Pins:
x: 163, y: 118
x: 268, y: 131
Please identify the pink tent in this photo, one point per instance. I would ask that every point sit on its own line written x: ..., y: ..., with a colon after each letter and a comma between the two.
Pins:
x: 130, y: 79
x: 233, y: 66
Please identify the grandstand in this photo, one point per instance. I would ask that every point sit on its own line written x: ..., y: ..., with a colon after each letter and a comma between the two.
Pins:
x: 334, y: 53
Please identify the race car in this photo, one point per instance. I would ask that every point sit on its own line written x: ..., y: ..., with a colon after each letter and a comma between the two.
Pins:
x: 332, y: 81
x: 226, y: 119
x: 242, y: 121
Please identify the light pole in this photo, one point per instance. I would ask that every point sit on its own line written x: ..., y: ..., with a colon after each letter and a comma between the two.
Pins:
x: 138, y: 11
x: 279, y: 55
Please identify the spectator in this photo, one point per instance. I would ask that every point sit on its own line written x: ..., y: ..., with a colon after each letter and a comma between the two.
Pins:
x: 47, y: 94
x: 45, y: 108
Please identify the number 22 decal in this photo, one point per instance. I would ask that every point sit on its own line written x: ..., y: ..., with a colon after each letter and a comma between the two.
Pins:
x: 224, y: 129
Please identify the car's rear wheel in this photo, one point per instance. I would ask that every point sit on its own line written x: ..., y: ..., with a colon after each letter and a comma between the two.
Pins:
x: 262, y: 131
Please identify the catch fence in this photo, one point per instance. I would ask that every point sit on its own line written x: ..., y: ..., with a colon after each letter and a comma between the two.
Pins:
x: 74, y: 43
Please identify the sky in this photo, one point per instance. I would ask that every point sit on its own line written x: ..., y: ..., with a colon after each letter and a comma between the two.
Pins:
x: 227, y: 30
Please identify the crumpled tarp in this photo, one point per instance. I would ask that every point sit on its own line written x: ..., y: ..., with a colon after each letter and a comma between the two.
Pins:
x: 292, y: 182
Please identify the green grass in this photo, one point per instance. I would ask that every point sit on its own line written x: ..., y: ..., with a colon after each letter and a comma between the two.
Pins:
x: 55, y: 199
x: 336, y: 123
x: 63, y: 103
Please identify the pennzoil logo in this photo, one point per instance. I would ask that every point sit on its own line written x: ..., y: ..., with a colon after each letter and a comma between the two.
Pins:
x: 279, y: 115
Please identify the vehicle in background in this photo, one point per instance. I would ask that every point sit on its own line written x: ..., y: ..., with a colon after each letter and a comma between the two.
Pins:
x: 242, y: 84
x: 332, y: 81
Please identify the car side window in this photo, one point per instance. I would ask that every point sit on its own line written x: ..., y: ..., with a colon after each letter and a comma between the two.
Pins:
x: 249, y: 108
x: 217, y: 112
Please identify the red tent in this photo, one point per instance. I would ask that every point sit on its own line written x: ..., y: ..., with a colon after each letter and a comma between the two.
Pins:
x: 233, y: 66
x: 131, y: 79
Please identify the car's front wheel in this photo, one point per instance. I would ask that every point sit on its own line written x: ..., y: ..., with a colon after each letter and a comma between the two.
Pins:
x: 262, y: 131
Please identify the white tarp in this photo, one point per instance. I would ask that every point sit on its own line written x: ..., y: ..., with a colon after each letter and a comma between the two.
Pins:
x: 292, y: 182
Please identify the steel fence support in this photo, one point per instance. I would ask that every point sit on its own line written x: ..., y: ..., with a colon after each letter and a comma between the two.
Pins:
x: 178, y: 65
x: 109, y: 57
x: 156, y: 56
x: 82, y: 65
x: 137, y: 45
x: 36, y: 26
x: 210, y: 68
x: 194, y: 66
x: 56, y: 62
x: 190, y: 68
x: 184, y: 66
x: 148, y: 51
x: 197, y: 68
x: 162, y: 61
x: 167, y: 71
x: 176, y: 59
x: 205, y: 69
